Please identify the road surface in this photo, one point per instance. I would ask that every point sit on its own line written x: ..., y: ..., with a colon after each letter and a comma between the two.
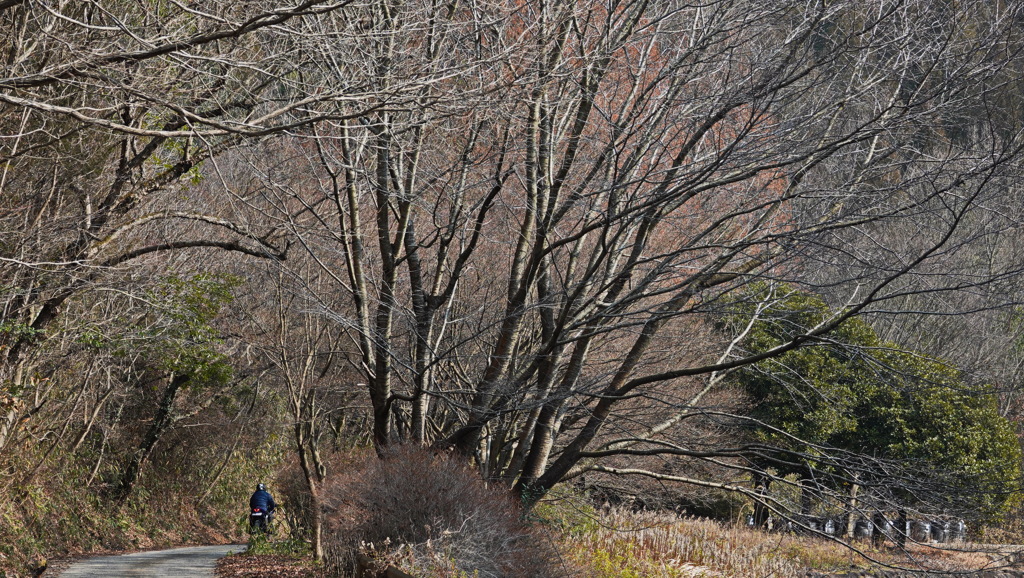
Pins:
x: 194, y: 562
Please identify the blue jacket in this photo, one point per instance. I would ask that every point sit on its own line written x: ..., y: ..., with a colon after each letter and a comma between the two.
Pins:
x: 262, y: 499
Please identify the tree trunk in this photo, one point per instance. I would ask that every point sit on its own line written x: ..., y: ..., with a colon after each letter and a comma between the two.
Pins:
x: 761, y: 510
x: 851, y: 511
x: 806, y: 496
x: 312, y: 477
x: 160, y: 424
x: 901, y: 529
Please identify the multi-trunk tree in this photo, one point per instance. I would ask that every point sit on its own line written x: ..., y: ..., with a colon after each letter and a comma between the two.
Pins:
x: 107, y: 110
x: 522, y: 215
x: 536, y: 240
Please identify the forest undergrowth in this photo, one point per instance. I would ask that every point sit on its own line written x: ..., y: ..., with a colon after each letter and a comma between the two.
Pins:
x: 60, y: 516
x: 433, y: 517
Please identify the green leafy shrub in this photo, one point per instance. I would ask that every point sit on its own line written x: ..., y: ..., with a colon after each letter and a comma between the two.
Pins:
x: 856, y: 393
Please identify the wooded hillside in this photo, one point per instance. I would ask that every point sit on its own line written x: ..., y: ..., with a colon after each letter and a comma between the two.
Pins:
x: 672, y: 253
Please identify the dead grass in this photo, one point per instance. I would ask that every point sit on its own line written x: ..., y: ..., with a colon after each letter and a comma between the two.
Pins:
x: 626, y: 544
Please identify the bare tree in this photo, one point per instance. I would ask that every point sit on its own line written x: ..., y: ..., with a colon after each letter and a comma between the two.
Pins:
x: 522, y: 215
x: 539, y: 237
x: 301, y: 345
x: 106, y: 111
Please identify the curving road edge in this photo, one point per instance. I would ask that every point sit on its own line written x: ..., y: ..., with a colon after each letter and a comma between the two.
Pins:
x: 192, y: 562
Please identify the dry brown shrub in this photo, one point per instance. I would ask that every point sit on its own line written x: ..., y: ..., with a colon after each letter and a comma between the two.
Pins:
x: 292, y: 490
x: 292, y: 494
x: 433, y: 516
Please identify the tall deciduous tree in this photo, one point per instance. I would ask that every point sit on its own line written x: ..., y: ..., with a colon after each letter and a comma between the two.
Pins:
x: 107, y: 109
x: 533, y: 242
x: 522, y: 213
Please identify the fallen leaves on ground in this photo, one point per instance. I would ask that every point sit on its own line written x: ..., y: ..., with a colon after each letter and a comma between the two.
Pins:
x: 263, y: 566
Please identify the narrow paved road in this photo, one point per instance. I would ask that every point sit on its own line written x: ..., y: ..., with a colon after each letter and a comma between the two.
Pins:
x: 196, y: 562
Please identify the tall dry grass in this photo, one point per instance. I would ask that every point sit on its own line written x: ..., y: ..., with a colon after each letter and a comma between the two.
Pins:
x: 624, y: 544
x: 649, y: 542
